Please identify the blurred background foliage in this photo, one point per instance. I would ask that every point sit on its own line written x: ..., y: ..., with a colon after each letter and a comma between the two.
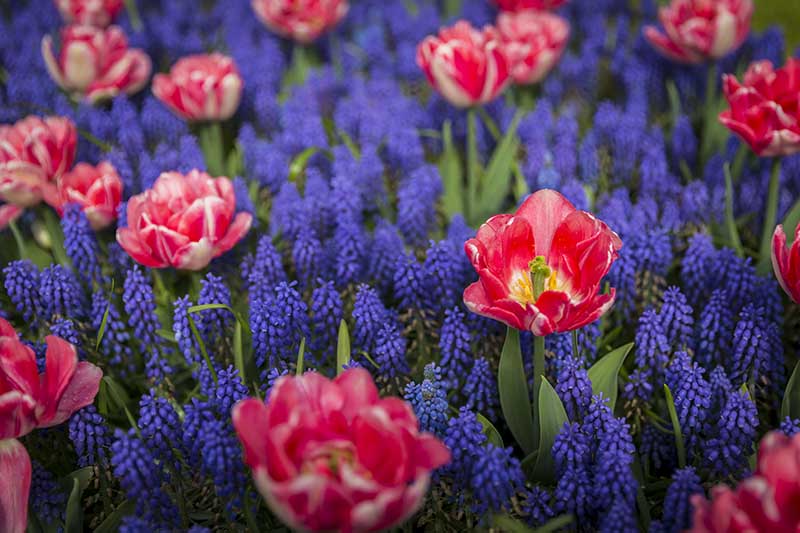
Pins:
x: 785, y: 13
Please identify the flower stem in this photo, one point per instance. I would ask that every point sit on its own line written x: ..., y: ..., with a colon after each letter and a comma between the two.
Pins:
x: 473, y: 172
x: 211, y: 143
x: 709, y: 108
x: 23, y: 250
x: 133, y: 14
x: 771, y: 212
x: 538, y: 374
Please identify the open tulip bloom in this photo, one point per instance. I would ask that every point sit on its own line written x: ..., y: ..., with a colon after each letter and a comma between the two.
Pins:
x: 540, y: 269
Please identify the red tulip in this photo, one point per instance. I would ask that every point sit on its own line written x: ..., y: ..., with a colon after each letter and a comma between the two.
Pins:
x: 521, y: 5
x: 466, y: 66
x: 30, y: 400
x: 699, y: 30
x: 97, y: 190
x: 300, y: 20
x: 98, y: 13
x: 534, y: 42
x: 183, y: 221
x: 540, y: 269
x: 330, y: 455
x: 34, y: 153
x: 786, y: 262
x: 9, y: 213
x: 767, y: 501
x: 764, y: 109
x: 201, y: 87
x: 96, y: 63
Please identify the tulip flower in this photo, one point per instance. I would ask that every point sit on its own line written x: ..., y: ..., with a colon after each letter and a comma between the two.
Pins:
x: 522, y: 5
x: 201, y: 87
x: 766, y: 501
x: 540, y: 269
x: 700, y: 30
x: 183, y: 221
x: 534, y: 42
x: 98, y: 13
x: 467, y: 66
x: 763, y: 110
x: 29, y: 400
x: 330, y: 455
x: 9, y: 213
x: 300, y: 20
x: 786, y: 262
x: 96, y: 189
x: 95, y: 63
x: 34, y: 153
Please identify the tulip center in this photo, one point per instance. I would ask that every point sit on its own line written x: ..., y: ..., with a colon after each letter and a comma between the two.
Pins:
x: 329, y: 461
x: 531, y: 285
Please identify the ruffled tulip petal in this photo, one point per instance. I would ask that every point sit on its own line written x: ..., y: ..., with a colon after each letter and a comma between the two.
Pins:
x: 129, y: 240
x: 15, y: 483
x: 17, y: 414
x: 80, y: 392
x: 236, y: 232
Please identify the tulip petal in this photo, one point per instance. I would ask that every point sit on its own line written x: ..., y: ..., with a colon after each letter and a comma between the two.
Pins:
x: 81, y: 391
x: 544, y: 210
x: 236, y: 231
x: 60, y: 365
x: 249, y: 421
x: 18, y: 366
x: 358, y: 388
x: 15, y: 484
x: 17, y: 414
x: 129, y: 240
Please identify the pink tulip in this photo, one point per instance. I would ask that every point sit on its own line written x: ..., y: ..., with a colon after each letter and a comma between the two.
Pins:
x: 201, y: 87
x: 29, y: 400
x: 786, y: 262
x: 96, y: 63
x: 330, y: 455
x: 34, y: 153
x: 534, y: 42
x: 567, y: 250
x: 98, y: 13
x: 9, y: 213
x: 96, y: 189
x: 467, y: 66
x: 301, y: 20
x: 701, y: 30
x: 183, y: 221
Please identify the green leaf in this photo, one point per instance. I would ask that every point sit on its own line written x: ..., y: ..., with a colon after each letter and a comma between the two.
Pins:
x: 507, y: 524
x: 730, y: 221
x: 116, y: 392
x: 112, y: 521
x: 605, y: 372
x: 350, y: 143
x: 473, y: 163
x: 342, y: 347
x: 74, y: 513
x: 53, y: 226
x: 497, y: 178
x: 301, y: 357
x: 514, y: 397
x: 299, y: 163
x: 552, y: 417
x: 676, y: 427
x: 104, y: 323
x: 791, y: 398
x: 771, y: 211
x: 133, y: 15
x: 451, y: 171
x: 202, y: 345
x: 490, y: 431
x: 238, y: 351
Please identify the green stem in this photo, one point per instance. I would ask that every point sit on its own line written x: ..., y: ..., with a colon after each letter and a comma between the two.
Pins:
x: 473, y: 172
x: 576, y: 352
x: 769, y: 218
x: 709, y: 118
x: 738, y: 162
x: 211, y: 143
x: 538, y: 373
x: 23, y: 250
x: 133, y: 13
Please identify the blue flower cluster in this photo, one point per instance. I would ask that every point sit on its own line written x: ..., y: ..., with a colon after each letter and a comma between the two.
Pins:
x: 339, y: 160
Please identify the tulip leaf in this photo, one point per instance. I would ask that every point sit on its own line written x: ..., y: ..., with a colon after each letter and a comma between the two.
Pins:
x: 490, y: 431
x: 552, y: 417
x: 301, y: 357
x: 791, y: 398
x: 511, y: 525
x: 74, y: 512
x: 514, y: 397
x: 53, y: 226
x: 676, y: 426
x: 104, y: 323
x: 730, y: 221
x: 342, y: 348
x: 299, y: 163
x: 497, y: 178
x: 771, y: 211
x: 112, y: 521
x: 604, y: 373
x: 450, y: 169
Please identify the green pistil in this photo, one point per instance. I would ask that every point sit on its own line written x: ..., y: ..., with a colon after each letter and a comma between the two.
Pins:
x: 540, y: 273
